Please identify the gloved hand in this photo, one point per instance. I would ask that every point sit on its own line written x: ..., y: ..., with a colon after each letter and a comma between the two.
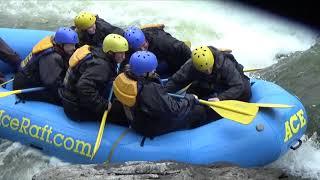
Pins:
x: 154, y: 75
x: 215, y: 99
x: 196, y: 99
x: 195, y: 96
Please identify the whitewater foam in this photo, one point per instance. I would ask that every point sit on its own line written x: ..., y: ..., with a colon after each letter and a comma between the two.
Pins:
x: 303, y: 162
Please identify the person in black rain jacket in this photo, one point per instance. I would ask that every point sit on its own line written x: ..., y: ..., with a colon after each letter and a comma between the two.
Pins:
x: 171, y: 53
x: 92, y: 29
x: 46, y: 66
x: 150, y: 110
x: 89, y: 78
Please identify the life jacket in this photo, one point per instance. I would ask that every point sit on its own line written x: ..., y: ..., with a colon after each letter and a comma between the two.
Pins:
x: 80, y: 55
x: 225, y: 50
x: 126, y: 90
x: 150, y: 26
x: 44, y: 47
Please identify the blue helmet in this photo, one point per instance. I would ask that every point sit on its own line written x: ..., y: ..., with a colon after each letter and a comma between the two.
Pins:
x: 65, y: 35
x: 135, y: 37
x: 143, y: 62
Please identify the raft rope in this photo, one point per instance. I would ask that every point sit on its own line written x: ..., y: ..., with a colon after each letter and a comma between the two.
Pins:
x: 144, y: 139
x: 115, y: 145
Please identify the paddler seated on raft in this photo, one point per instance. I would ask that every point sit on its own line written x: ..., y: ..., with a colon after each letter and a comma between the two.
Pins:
x: 46, y: 66
x: 92, y: 29
x: 89, y: 78
x: 215, y: 76
x: 9, y: 56
x: 149, y: 109
x: 171, y: 53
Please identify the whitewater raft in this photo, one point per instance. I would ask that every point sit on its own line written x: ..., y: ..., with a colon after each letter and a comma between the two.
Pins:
x: 45, y: 127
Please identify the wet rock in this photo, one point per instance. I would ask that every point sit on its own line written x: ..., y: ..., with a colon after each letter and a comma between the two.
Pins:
x: 157, y: 170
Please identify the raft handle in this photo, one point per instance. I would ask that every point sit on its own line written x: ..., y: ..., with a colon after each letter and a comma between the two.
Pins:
x: 296, y: 147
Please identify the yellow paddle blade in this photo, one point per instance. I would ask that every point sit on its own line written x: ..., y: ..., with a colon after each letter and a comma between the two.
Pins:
x: 188, y: 43
x: 238, y: 111
x: 251, y: 70
x: 100, y: 133
x: 8, y: 93
x: 234, y: 116
x: 273, y: 105
x: 235, y: 106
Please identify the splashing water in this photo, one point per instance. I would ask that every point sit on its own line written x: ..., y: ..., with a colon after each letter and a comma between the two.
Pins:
x: 303, y: 162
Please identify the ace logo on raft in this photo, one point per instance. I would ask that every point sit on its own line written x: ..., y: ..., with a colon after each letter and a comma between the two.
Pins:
x: 45, y: 134
x: 294, y: 124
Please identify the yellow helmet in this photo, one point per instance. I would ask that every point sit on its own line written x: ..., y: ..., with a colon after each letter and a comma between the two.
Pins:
x: 115, y: 43
x: 202, y: 58
x: 84, y: 20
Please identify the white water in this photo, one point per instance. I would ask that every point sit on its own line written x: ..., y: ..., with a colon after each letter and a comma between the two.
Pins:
x: 304, y: 161
x: 254, y: 37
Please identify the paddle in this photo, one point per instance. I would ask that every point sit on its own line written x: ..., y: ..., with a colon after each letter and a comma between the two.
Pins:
x: 242, y: 112
x: 252, y: 70
x: 6, y: 82
x: 183, y: 90
x: 103, y: 122
x: 265, y: 105
x: 8, y: 93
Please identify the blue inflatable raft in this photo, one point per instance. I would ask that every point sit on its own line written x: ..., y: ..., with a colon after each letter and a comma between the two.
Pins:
x: 45, y: 127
